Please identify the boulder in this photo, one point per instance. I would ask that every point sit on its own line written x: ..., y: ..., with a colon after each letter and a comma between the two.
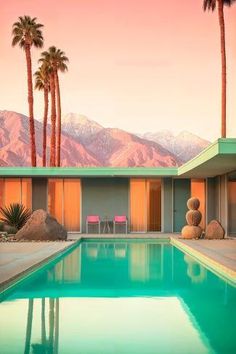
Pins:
x: 190, y: 231
x: 42, y: 226
x: 214, y: 230
x: 193, y: 203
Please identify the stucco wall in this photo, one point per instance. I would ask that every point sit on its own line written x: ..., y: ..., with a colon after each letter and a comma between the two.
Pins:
x: 39, y: 193
x: 104, y: 197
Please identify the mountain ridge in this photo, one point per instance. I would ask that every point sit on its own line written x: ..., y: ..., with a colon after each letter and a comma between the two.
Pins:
x: 86, y: 143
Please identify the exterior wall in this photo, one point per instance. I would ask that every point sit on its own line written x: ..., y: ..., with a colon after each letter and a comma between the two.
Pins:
x: 39, y: 193
x: 105, y: 197
x: 167, y: 205
x: 232, y: 204
x: 223, y: 202
x: 181, y: 193
x: 212, y: 199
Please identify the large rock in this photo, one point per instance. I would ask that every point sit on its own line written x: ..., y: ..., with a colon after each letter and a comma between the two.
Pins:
x: 191, y: 231
x: 42, y: 226
x: 214, y: 230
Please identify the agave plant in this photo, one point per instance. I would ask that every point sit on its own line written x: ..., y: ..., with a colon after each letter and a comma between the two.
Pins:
x: 15, y: 215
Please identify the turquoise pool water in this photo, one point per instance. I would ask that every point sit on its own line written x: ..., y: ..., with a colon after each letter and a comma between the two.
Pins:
x: 120, y: 297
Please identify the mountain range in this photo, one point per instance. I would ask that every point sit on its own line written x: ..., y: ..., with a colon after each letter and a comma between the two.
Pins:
x: 86, y: 143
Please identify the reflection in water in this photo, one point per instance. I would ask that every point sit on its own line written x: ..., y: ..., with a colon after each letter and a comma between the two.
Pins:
x: 196, y: 272
x: 50, y: 345
x: 122, y: 294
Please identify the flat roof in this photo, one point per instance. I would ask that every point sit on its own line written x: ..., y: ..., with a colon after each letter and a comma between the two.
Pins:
x: 218, y: 158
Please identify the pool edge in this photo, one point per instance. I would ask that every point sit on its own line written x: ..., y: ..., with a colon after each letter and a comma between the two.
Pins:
x: 9, y: 284
x: 212, y: 265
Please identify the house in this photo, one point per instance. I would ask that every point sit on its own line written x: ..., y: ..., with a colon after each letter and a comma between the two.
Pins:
x: 154, y: 199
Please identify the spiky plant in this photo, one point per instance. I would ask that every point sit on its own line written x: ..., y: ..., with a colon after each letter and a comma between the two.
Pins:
x: 15, y: 215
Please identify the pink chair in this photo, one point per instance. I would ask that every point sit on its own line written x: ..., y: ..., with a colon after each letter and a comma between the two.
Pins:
x: 120, y: 220
x: 93, y: 220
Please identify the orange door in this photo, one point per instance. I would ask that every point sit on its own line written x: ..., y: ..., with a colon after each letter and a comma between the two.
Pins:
x: 138, y: 204
x: 72, y: 192
x: 198, y: 191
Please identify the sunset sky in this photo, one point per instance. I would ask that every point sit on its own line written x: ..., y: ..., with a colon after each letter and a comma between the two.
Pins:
x: 139, y: 65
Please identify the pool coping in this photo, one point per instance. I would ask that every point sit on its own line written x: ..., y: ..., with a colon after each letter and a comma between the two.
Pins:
x: 207, y: 261
x: 7, y: 285
x: 214, y: 266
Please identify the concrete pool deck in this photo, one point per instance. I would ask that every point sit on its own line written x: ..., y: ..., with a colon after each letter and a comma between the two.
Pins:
x: 19, y: 258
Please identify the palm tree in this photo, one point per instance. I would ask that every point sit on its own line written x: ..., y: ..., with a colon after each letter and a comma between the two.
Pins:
x: 27, y: 33
x: 211, y: 5
x: 58, y: 61
x: 45, y: 60
x: 42, y: 83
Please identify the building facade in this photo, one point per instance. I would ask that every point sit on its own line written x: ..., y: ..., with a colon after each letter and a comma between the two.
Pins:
x: 153, y: 199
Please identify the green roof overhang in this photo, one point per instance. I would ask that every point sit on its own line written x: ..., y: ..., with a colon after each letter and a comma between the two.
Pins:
x: 217, y: 159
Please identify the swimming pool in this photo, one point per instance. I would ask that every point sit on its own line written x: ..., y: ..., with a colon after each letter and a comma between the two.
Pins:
x: 119, y: 296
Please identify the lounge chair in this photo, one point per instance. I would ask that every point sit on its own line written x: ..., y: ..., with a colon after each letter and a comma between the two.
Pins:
x: 120, y: 220
x: 93, y: 220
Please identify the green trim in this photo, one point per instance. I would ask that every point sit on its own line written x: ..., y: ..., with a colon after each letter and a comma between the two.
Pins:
x: 87, y: 171
x: 220, y: 148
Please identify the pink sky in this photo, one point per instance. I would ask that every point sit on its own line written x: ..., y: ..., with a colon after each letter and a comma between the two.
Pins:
x: 140, y: 65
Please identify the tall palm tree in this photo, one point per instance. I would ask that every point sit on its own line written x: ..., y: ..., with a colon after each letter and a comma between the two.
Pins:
x: 58, y: 61
x: 211, y: 5
x: 45, y: 60
x: 42, y: 83
x: 27, y: 33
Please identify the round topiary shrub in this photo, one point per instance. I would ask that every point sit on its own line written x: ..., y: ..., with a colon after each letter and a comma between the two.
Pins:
x: 193, y: 203
x: 193, y: 217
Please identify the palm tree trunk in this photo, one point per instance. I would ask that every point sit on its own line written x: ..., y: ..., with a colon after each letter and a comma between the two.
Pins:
x: 43, y: 324
x: 31, y: 105
x: 53, y: 122
x: 29, y: 326
x: 45, y: 118
x: 51, y: 323
x: 58, y: 96
x: 223, y: 67
x: 56, y: 340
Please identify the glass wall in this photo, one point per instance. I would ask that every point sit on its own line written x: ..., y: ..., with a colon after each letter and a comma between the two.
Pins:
x: 16, y: 190
x: 145, y: 205
x: 232, y: 205
x: 198, y: 190
x: 64, y: 199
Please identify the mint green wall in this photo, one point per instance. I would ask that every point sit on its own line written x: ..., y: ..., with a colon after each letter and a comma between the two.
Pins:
x: 181, y: 195
x: 104, y: 197
x: 223, y: 212
x: 39, y: 193
x: 167, y: 205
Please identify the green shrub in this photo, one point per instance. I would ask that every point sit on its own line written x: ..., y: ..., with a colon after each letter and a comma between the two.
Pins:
x: 1, y: 226
x: 15, y: 215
